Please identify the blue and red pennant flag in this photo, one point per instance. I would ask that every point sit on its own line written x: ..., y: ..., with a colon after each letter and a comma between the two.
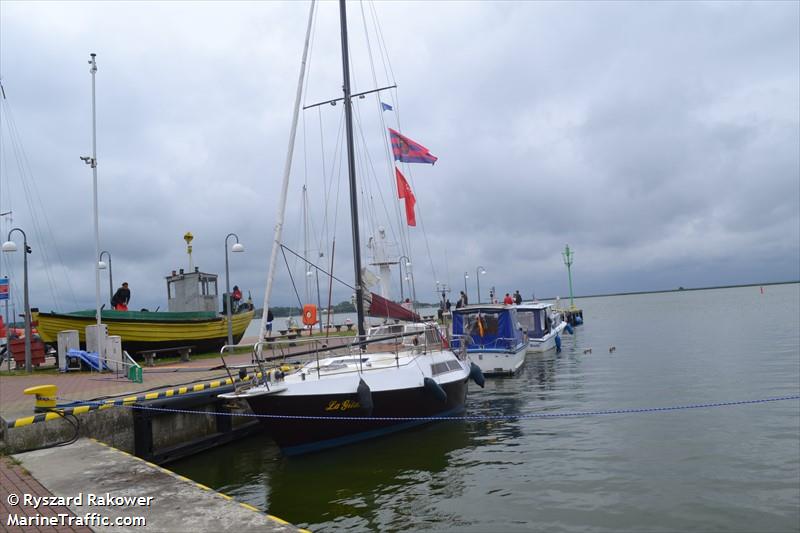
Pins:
x: 404, y: 191
x: 408, y: 151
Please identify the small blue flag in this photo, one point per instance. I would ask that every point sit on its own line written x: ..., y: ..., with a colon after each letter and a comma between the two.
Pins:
x: 385, y: 107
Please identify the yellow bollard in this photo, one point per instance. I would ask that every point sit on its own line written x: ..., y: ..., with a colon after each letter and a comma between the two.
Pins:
x: 45, y: 397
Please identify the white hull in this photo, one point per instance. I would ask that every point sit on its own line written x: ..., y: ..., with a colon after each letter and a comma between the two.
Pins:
x: 494, y: 363
x: 548, y: 342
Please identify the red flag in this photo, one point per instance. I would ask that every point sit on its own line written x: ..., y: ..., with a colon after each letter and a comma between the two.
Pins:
x: 404, y: 191
x: 409, y: 151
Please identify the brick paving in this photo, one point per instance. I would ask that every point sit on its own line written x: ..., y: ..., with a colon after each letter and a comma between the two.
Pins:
x: 14, y: 403
x: 92, y: 385
x: 16, y: 480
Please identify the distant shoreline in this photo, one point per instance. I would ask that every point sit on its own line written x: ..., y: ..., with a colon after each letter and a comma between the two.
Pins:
x: 679, y: 289
x: 682, y: 289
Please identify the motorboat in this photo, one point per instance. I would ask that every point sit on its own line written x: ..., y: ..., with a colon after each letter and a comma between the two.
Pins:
x: 490, y: 336
x: 542, y: 325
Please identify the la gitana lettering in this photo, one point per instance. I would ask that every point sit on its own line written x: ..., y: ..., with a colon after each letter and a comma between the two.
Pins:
x: 335, y: 405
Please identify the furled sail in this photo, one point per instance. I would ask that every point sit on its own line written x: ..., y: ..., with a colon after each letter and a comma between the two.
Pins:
x: 379, y: 307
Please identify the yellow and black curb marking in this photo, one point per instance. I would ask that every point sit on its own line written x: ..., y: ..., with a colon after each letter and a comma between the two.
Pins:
x: 200, y: 486
x: 56, y: 414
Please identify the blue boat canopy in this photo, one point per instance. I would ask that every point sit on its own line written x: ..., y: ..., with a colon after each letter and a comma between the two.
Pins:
x: 491, y: 327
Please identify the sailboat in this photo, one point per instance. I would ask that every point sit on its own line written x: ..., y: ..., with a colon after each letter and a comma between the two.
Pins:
x: 352, y: 393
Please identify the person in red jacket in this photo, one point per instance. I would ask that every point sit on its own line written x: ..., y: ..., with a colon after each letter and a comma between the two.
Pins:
x: 508, y: 300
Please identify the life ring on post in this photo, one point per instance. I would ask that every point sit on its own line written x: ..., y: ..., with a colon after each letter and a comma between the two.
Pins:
x: 309, y: 314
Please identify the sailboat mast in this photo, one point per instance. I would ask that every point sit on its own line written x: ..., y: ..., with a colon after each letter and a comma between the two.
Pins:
x: 348, y: 113
x: 278, y: 234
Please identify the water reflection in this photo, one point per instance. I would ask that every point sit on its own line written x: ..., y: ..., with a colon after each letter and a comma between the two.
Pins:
x: 347, y: 487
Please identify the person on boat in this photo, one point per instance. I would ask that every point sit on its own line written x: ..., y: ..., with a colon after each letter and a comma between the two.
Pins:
x: 517, y: 297
x: 508, y: 300
x: 448, y: 305
x: 121, y: 298
x: 407, y: 304
x: 236, y: 297
x: 464, y: 299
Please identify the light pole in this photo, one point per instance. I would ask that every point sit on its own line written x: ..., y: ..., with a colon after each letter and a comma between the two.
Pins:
x: 102, y: 266
x: 466, y: 277
x: 567, y: 254
x: 92, y: 162
x: 478, y: 271
x: 10, y: 246
x: 400, y: 265
x: 237, y: 247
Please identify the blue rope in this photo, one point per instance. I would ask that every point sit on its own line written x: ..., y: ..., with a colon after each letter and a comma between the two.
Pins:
x: 472, y: 418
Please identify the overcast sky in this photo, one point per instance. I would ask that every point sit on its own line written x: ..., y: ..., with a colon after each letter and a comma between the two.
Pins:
x: 660, y: 140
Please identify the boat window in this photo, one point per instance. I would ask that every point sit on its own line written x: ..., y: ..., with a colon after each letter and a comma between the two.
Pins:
x: 432, y: 337
x: 526, y: 320
x: 439, y: 368
x: 489, y: 321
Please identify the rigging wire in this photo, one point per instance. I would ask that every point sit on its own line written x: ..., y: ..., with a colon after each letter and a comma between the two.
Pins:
x: 404, y: 240
x: 321, y: 269
x: 387, y: 64
x: 42, y: 232
x: 291, y: 278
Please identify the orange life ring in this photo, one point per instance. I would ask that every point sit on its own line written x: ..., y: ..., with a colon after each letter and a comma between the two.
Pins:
x: 309, y: 314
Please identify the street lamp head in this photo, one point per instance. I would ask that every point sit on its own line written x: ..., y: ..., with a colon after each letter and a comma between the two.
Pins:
x: 482, y: 270
x: 9, y: 246
x: 101, y: 265
x: 237, y: 247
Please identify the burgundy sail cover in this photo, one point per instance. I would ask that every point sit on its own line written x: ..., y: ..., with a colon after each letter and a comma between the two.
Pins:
x: 380, y: 307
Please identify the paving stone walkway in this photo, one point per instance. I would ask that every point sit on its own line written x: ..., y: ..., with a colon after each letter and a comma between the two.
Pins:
x: 15, y: 480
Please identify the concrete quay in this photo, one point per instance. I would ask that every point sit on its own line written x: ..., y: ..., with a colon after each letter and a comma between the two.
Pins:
x: 175, y: 412
x: 107, y: 490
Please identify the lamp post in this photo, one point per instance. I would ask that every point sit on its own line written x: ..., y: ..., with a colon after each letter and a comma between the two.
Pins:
x: 466, y: 277
x: 478, y: 271
x: 10, y: 246
x: 102, y: 266
x: 567, y: 254
x: 400, y: 265
x: 237, y: 247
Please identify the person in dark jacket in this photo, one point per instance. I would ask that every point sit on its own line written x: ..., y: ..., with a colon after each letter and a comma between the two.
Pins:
x: 517, y: 297
x: 121, y: 298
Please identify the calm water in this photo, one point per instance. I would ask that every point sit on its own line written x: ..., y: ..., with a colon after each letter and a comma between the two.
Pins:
x: 721, y: 469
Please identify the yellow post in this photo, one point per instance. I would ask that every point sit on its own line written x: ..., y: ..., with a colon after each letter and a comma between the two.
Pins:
x: 45, y: 396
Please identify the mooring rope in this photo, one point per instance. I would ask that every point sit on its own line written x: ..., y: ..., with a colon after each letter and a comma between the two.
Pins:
x: 470, y: 418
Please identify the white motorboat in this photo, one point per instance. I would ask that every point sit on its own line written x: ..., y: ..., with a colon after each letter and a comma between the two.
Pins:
x: 542, y: 325
x: 490, y: 336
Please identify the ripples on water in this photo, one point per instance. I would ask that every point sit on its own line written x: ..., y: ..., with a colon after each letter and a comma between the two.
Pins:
x: 721, y: 469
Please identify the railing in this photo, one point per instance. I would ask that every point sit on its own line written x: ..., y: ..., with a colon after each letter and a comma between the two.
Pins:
x: 500, y: 343
x: 127, y: 367
x: 314, y: 349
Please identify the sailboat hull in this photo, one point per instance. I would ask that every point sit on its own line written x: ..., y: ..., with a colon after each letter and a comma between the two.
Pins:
x: 151, y: 330
x: 338, y: 423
